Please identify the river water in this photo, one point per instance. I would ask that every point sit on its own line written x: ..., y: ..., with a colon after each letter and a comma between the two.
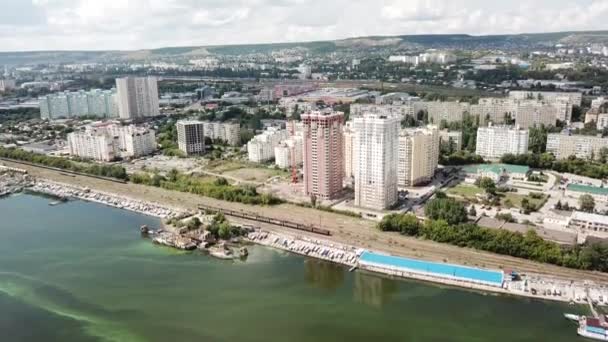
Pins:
x: 81, y: 272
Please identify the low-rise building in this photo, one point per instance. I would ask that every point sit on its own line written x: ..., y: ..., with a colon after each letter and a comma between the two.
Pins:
x: 588, y: 224
x: 577, y: 190
x: 496, y: 172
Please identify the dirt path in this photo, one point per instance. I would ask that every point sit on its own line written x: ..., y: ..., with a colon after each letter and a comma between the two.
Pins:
x: 345, y: 229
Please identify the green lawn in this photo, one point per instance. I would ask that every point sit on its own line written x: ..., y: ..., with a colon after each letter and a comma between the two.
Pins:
x: 465, y: 191
x: 515, y: 200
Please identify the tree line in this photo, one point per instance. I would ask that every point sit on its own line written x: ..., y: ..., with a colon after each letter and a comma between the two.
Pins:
x: 113, y: 171
x: 448, y: 225
x: 571, y: 164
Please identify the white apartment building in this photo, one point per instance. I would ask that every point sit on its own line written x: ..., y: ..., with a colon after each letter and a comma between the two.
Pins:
x: 377, y: 141
x: 283, y: 152
x: 99, y: 103
x: 108, y: 141
x: 137, y: 97
x: 260, y: 149
x: 582, y: 146
x: 6, y: 85
x: 348, y: 137
x: 92, y: 146
x: 418, y: 155
x: 431, y: 56
x: 495, y: 141
x: 291, y: 105
x: 191, y: 137
x: 575, y: 98
x: 229, y: 132
x: 400, y: 111
x: 602, y: 121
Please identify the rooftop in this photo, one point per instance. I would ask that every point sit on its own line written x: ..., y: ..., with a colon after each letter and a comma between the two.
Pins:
x: 582, y: 216
x: 587, y: 189
x: 496, y: 168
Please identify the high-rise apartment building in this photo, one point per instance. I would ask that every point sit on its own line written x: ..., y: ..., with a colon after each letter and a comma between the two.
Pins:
x: 190, y: 137
x: 349, y: 152
x: 98, y: 103
x: 495, y: 141
x: 137, y: 97
x: 418, y: 155
x: 582, y: 146
x: 228, y: 132
x: 322, y: 153
x: 377, y: 141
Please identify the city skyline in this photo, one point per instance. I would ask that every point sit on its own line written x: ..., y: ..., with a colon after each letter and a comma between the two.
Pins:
x: 143, y: 24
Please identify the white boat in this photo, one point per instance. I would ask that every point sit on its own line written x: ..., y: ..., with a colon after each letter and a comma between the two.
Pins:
x: 572, y: 317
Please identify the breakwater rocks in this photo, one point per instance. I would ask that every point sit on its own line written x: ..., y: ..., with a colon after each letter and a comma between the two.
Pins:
x: 319, y: 249
x: 68, y: 191
x: 13, y: 182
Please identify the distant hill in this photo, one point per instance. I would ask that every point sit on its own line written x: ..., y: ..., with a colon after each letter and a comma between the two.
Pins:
x: 452, y: 41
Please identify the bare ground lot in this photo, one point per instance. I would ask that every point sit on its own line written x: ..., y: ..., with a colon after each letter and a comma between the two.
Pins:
x: 345, y: 229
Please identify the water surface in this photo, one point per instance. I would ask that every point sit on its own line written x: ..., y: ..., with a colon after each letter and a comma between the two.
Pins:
x: 80, y: 272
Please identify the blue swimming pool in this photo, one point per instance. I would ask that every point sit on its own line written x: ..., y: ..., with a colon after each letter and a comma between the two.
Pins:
x: 465, y: 273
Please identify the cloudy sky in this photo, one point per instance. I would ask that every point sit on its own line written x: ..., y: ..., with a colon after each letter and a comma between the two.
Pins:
x: 139, y: 24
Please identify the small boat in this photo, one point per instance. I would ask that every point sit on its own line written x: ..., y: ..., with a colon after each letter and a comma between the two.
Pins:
x: 572, y: 317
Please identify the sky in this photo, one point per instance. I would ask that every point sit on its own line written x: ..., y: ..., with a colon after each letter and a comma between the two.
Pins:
x: 27, y: 25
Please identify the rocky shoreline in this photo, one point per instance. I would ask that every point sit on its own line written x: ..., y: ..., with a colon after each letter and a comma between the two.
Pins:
x: 68, y: 191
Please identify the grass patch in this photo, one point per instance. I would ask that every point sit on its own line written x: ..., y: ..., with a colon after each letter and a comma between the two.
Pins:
x: 515, y: 200
x: 465, y: 191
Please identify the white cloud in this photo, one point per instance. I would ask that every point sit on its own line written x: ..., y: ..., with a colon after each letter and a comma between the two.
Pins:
x: 134, y: 24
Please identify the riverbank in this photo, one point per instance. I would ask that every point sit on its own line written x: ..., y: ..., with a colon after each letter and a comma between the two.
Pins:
x: 529, y: 285
x: 344, y: 230
x: 63, y: 190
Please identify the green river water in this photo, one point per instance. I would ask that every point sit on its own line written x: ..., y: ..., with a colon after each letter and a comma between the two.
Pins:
x: 81, y: 272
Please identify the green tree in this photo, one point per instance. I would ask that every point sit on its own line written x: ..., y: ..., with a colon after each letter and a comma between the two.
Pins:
x: 586, y: 203
x: 538, y: 139
x: 446, y: 209
x: 487, y: 184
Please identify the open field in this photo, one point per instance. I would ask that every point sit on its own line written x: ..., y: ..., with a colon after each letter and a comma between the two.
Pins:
x: 243, y: 171
x: 466, y: 191
x: 345, y: 229
x: 516, y: 199
x: 255, y: 174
